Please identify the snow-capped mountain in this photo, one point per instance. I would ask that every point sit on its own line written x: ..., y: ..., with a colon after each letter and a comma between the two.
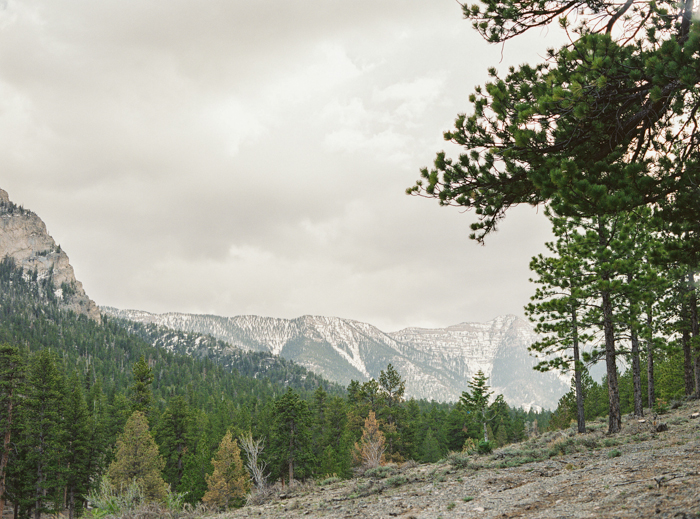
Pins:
x: 435, y: 363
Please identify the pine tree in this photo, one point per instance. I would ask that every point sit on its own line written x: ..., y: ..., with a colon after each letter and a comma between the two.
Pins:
x: 291, y: 435
x: 477, y: 400
x: 172, y: 436
x: 141, y: 395
x: 197, y: 467
x: 318, y: 429
x: 369, y: 452
x: 230, y: 482
x: 582, y: 129
x: 12, y: 371
x: 43, y: 438
x: 78, y: 437
x: 430, y: 451
x: 137, y: 459
x: 391, y: 413
x: 559, y: 308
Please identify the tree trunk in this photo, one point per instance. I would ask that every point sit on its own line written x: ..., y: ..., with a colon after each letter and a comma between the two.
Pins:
x: 614, y: 415
x: 291, y: 456
x: 636, y: 376
x: 650, y: 362
x: 5, y: 453
x: 687, y: 351
x: 580, y: 415
x: 71, y: 503
x: 636, y: 368
x: 37, y: 504
x: 695, y: 329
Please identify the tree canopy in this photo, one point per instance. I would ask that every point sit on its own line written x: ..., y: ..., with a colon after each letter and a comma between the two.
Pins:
x: 606, y: 123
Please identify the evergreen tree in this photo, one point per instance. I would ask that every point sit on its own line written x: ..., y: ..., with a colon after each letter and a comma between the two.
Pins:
x: 172, y: 436
x: 559, y: 308
x: 391, y: 413
x: 12, y: 370
x: 369, y: 452
x: 583, y: 129
x: 137, y: 459
x: 197, y: 467
x: 430, y: 452
x: 141, y: 395
x: 230, y: 482
x: 78, y: 449
x: 291, y: 436
x: 97, y: 443
x: 338, y: 438
x: 318, y: 429
x: 477, y: 401
x: 43, y: 438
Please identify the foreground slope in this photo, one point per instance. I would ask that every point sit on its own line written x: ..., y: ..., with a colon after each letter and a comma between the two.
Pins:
x: 642, y: 472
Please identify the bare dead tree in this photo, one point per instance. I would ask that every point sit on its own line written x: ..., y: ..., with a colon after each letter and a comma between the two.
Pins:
x: 253, y: 449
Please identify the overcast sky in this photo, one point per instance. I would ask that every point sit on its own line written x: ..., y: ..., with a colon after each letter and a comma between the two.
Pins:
x: 251, y: 157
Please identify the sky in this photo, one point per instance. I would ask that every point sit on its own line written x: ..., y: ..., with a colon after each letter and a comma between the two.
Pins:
x: 251, y: 157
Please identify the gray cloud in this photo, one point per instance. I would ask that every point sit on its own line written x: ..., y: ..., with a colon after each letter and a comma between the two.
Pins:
x: 251, y: 157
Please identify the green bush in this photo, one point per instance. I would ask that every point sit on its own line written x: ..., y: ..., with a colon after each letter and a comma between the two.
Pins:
x: 485, y: 447
x: 396, y: 481
x: 380, y: 472
x: 458, y: 460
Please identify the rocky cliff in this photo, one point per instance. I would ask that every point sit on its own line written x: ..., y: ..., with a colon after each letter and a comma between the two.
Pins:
x: 24, y: 238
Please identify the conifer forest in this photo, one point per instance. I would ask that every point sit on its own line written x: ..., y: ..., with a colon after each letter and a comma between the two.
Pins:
x: 603, y: 135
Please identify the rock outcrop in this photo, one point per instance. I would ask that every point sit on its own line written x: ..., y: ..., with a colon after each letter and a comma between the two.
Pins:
x: 24, y: 238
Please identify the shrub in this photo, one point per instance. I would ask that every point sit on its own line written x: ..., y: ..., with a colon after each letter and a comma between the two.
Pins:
x: 329, y: 480
x: 469, y: 446
x: 485, y: 447
x: 396, y: 481
x: 458, y: 460
x: 561, y: 445
x: 380, y: 472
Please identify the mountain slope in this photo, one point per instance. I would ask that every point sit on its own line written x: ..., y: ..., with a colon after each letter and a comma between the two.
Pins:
x: 436, y: 363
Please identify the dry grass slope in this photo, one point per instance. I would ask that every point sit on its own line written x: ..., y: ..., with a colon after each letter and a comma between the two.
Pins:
x: 644, y: 471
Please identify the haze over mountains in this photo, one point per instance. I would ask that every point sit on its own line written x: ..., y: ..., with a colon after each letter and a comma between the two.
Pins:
x: 436, y: 363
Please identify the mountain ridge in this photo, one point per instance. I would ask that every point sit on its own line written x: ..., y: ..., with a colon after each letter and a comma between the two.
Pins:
x: 436, y: 363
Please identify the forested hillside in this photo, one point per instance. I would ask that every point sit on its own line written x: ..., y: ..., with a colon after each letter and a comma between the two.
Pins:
x: 79, y: 399
x: 75, y: 394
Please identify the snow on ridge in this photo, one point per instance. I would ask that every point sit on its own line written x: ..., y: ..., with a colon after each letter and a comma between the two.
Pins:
x: 436, y: 363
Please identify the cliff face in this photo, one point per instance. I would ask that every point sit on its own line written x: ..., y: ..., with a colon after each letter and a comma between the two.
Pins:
x: 23, y: 237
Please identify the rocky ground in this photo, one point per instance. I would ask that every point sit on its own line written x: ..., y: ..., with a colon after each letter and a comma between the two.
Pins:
x: 651, y: 469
